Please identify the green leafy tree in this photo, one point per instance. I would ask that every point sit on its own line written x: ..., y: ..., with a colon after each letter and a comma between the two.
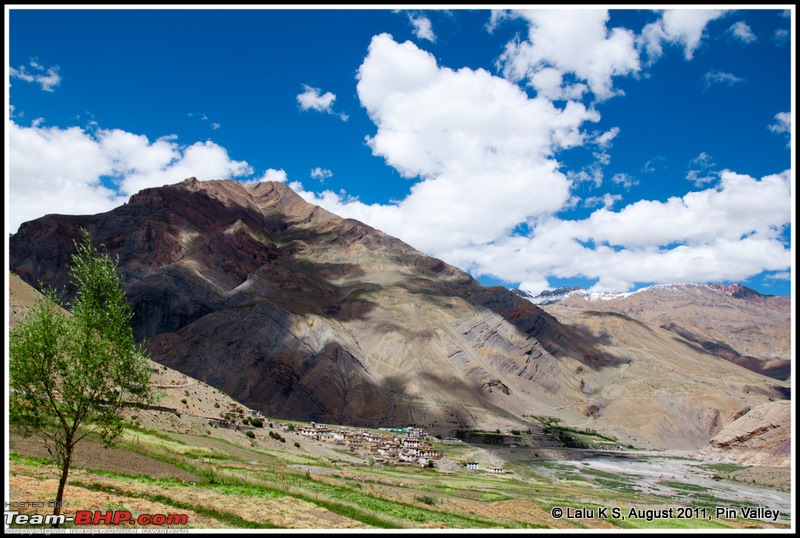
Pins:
x: 71, y: 376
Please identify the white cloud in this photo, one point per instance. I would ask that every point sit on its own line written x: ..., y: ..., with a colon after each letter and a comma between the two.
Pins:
x: 272, y: 174
x: 477, y: 141
x: 679, y: 27
x: 704, y: 160
x: 482, y: 155
x: 497, y: 17
x: 575, y: 42
x: 730, y: 232
x: 781, y: 36
x: 783, y: 275
x: 313, y: 99
x: 204, y: 117
x: 740, y: 30
x: 719, y: 77
x: 55, y: 170
x: 701, y: 171
x: 650, y: 166
x: 604, y: 140
x: 607, y: 200
x: 321, y: 173
x: 422, y: 26
x: 701, y: 177
x: 48, y: 78
x: 626, y: 180
x: 783, y: 123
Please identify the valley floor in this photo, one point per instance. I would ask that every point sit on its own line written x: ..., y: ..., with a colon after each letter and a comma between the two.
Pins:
x: 221, y: 478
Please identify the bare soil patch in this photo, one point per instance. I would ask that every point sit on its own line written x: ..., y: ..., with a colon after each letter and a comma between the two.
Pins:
x: 91, y: 454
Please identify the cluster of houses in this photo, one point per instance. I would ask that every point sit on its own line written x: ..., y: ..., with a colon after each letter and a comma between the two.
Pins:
x: 474, y: 466
x: 390, y: 446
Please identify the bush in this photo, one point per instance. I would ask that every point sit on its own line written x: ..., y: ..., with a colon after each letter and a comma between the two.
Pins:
x: 277, y: 437
x: 515, y: 432
x: 250, y: 434
x: 426, y: 499
x: 257, y: 422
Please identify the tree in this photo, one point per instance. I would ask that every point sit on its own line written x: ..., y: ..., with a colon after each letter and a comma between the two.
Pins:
x: 71, y: 376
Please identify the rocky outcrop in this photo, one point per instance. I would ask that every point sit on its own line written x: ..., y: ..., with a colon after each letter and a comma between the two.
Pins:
x: 301, y: 314
x: 762, y: 436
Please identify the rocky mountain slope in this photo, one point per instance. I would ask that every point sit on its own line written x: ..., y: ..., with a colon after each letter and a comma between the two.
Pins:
x: 301, y: 314
x: 763, y: 436
x: 733, y: 322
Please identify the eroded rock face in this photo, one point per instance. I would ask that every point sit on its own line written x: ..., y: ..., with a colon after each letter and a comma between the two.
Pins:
x: 762, y: 436
x: 302, y: 314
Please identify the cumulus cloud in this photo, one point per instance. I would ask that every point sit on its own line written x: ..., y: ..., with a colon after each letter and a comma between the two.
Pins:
x: 47, y: 78
x: 76, y: 171
x: 577, y: 43
x: 783, y: 123
x: 314, y: 99
x: 320, y: 173
x: 462, y: 132
x: 683, y: 27
x: 741, y: 31
x: 700, y: 171
x: 482, y: 155
x: 607, y: 200
x: 718, y: 77
x: 604, y: 140
x: 781, y: 36
x: 422, y: 25
x: 272, y: 174
x: 729, y: 232
x: 626, y: 180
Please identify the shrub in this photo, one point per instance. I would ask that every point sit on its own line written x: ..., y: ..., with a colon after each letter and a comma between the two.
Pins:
x: 426, y: 499
x: 250, y: 434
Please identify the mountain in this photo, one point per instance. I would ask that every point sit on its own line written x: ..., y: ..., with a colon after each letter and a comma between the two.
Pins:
x: 733, y: 321
x: 301, y: 314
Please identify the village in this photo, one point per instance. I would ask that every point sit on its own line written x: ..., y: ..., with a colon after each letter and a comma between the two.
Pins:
x: 389, y: 446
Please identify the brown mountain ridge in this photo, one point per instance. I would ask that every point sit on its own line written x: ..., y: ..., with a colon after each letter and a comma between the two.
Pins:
x: 733, y: 321
x: 301, y: 314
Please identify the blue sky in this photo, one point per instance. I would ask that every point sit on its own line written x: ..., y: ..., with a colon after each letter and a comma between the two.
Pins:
x: 534, y: 148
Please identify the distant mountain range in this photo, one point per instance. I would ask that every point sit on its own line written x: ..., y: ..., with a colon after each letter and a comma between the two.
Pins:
x: 302, y: 314
x: 733, y: 321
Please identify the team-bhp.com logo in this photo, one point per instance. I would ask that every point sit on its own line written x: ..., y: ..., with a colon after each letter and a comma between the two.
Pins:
x: 95, y: 517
